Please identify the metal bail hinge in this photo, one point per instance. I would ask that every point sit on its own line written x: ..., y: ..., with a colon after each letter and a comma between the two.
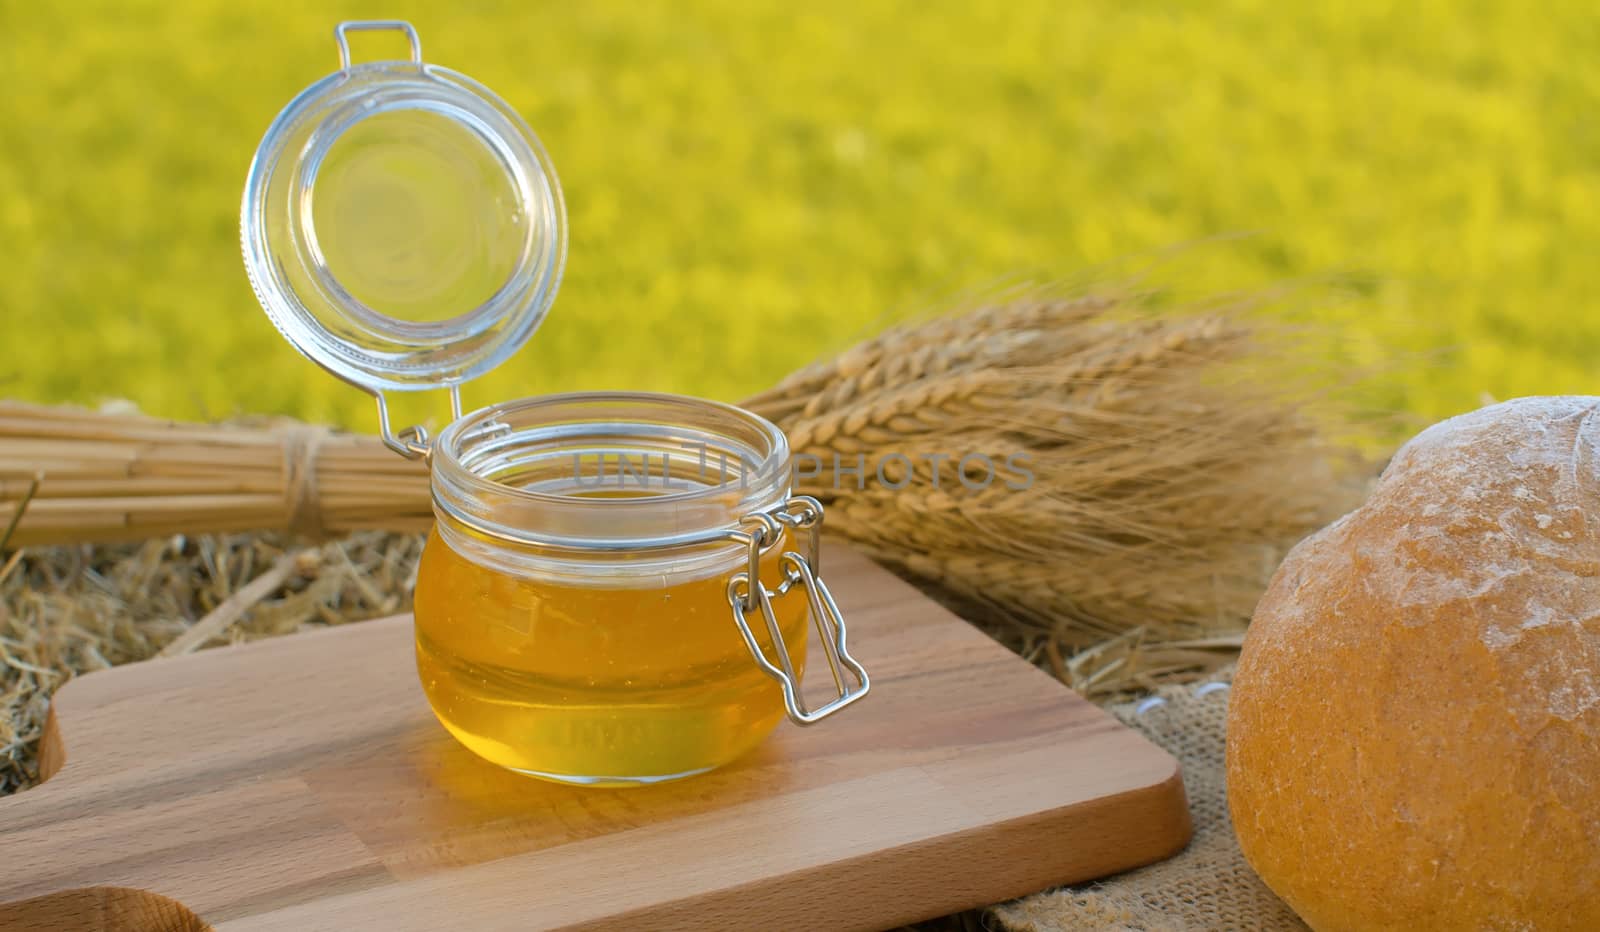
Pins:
x: 411, y: 442
x: 746, y: 594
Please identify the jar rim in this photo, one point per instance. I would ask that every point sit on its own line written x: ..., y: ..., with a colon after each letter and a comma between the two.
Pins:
x: 487, y: 468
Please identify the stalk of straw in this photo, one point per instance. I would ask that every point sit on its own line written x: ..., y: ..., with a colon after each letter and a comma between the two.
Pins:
x: 1170, y: 469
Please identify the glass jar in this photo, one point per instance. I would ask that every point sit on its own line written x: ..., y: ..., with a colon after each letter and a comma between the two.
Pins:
x: 618, y: 587
x: 573, y: 603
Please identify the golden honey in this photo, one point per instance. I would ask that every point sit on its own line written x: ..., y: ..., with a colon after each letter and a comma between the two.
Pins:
x: 596, y: 684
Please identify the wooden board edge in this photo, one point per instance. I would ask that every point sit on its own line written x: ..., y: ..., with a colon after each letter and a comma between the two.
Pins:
x: 99, y: 909
x: 114, y: 682
x: 52, y: 751
x: 924, y: 881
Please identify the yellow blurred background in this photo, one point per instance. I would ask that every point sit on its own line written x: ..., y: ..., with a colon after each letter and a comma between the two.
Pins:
x: 750, y: 185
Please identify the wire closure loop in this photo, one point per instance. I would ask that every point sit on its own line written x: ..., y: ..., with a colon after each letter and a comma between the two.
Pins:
x: 766, y: 533
x: 412, y: 442
x: 747, y: 594
x: 804, y: 513
x: 341, y: 34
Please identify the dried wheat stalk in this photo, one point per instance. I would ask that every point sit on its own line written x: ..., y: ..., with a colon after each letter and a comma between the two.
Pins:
x: 1164, y: 490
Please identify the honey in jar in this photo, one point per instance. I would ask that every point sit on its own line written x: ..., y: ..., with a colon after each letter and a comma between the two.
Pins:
x: 619, y: 587
x: 592, y: 667
x: 575, y: 682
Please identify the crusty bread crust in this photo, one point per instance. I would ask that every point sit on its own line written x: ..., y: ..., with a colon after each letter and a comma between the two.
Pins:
x: 1414, y: 730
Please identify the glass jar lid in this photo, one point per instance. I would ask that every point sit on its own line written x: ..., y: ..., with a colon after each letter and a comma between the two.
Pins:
x: 402, y: 226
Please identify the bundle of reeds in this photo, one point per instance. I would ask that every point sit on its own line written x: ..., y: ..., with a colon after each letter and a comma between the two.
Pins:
x: 69, y: 475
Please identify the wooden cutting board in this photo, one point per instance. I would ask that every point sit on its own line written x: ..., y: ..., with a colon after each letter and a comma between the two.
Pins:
x: 302, y: 784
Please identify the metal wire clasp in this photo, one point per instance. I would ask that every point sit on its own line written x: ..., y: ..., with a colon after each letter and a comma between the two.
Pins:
x: 747, y: 594
x: 411, y: 442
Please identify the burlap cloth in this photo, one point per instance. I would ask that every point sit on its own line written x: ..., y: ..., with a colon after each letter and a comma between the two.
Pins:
x: 1208, y: 886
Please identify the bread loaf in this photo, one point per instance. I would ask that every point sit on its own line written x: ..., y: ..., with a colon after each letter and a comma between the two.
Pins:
x: 1414, y: 729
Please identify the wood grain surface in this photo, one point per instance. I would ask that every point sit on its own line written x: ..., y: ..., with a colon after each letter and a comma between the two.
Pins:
x: 302, y: 784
